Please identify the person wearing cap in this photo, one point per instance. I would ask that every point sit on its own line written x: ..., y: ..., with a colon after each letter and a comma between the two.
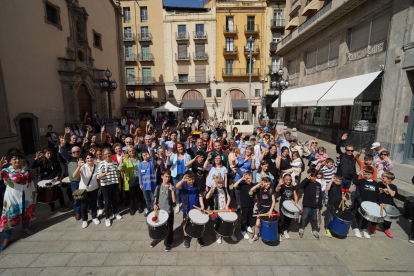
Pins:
x: 302, y: 149
x: 376, y: 147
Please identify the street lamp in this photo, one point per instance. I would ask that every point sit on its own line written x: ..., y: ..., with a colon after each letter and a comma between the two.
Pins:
x: 280, y: 84
x: 250, y: 40
x: 109, y: 86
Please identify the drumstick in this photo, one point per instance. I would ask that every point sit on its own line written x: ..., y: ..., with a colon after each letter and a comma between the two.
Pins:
x: 205, y: 211
x: 263, y: 215
x: 296, y: 205
x: 382, y: 208
x: 342, y: 202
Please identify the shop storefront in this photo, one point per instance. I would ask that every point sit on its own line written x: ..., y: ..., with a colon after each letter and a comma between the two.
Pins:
x: 192, y: 107
x: 328, y: 110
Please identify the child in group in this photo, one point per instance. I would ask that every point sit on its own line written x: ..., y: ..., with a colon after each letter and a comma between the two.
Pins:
x: 163, y: 199
x: 263, y: 171
x: 369, y: 191
x: 233, y: 158
x: 221, y: 200
x: 329, y: 169
x: 190, y: 197
x: 312, y: 200
x: 321, y: 156
x: 368, y: 161
x: 265, y: 202
x: 296, y: 164
x: 387, y: 193
x: 147, y: 179
x: 320, y: 179
x: 247, y: 202
x: 334, y: 199
x: 287, y: 192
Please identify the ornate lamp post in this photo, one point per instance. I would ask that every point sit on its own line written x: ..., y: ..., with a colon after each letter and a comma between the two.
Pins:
x: 109, y: 86
x: 279, y: 85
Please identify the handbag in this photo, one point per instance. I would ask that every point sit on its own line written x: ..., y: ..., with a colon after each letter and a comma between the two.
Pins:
x: 133, y: 182
x: 80, y: 194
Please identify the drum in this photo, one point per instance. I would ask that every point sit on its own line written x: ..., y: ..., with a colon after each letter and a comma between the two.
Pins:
x: 47, y: 193
x: 268, y: 230
x: 290, y: 210
x: 341, y: 222
x: 158, y: 229
x: 66, y: 182
x: 392, y: 213
x: 196, y: 223
x: 225, y: 224
x: 372, y: 212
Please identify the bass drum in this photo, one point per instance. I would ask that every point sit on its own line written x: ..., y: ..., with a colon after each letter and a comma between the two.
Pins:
x: 196, y: 223
x: 225, y: 224
x: 47, y: 193
x: 158, y: 229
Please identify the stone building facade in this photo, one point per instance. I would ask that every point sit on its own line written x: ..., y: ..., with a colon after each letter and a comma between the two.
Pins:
x: 53, y: 54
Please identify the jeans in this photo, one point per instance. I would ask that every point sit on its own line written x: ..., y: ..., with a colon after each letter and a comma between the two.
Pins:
x: 7, y: 234
x: 328, y: 216
x: 89, y: 202
x: 109, y: 193
x: 76, y: 204
x: 305, y: 213
x: 177, y: 191
x: 254, y: 176
x: 347, y: 183
x: 149, y: 198
x: 135, y: 192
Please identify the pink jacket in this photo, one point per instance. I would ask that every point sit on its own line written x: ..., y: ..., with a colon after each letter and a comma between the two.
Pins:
x: 382, y: 166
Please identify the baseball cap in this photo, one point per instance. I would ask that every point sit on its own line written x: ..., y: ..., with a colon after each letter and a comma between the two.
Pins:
x: 252, y: 137
x: 293, y: 138
x: 376, y: 144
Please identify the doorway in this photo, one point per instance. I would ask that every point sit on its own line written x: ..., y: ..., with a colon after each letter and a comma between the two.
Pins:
x: 85, y: 103
x: 409, y: 139
x: 26, y: 136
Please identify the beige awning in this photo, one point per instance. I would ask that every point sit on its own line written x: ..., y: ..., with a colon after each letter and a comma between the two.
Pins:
x: 310, y: 8
x: 292, y: 23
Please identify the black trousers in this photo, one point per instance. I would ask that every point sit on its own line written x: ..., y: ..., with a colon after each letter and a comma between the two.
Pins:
x: 284, y: 221
x: 100, y: 202
x: 135, y: 193
x: 89, y: 202
x: 170, y: 223
x: 412, y: 225
x: 109, y: 193
x: 60, y: 197
x: 328, y: 216
x: 69, y: 193
x: 246, y: 218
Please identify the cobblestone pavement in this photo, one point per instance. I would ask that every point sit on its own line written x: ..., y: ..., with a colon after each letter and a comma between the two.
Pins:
x: 61, y: 247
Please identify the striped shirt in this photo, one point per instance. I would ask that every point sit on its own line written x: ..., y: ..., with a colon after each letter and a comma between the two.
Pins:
x: 113, y: 174
x: 329, y: 172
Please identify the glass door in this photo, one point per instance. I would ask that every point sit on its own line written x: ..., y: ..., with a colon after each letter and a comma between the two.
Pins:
x: 229, y: 24
x: 130, y: 75
x: 229, y: 67
x: 229, y: 44
x: 146, y: 52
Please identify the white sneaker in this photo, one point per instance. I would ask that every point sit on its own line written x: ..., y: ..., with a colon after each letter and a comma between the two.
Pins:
x: 366, y: 235
x: 177, y: 208
x: 219, y: 239
x: 249, y: 229
x: 100, y: 212
x: 245, y: 235
x: 118, y: 216
x: 96, y: 221
x: 280, y: 237
x: 108, y: 222
x: 357, y: 233
x: 234, y: 237
x: 286, y: 235
x: 84, y: 224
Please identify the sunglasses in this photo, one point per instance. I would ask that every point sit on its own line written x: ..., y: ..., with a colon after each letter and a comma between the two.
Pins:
x: 93, y: 146
x: 314, y: 142
x: 349, y: 150
x: 292, y: 141
x: 76, y: 151
x: 384, y: 154
x: 109, y: 137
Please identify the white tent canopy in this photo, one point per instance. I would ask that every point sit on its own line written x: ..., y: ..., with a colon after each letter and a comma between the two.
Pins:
x: 167, y: 107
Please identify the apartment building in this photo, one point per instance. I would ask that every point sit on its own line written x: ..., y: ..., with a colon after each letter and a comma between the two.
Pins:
x: 143, y: 39
x: 350, y: 66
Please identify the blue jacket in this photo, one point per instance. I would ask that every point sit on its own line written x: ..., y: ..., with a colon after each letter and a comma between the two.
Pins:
x: 173, y: 161
x: 147, y: 177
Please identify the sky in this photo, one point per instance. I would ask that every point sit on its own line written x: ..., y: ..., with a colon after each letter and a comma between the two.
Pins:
x: 181, y: 3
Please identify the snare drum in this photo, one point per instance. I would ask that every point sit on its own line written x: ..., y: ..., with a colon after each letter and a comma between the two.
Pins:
x: 371, y: 211
x: 196, y: 223
x: 66, y: 182
x: 158, y: 229
x: 47, y: 194
x: 225, y: 224
x: 268, y: 228
x: 290, y: 210
x: 392, y: 213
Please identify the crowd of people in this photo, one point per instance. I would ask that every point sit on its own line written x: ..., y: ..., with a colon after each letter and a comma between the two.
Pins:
x: 198, y: 165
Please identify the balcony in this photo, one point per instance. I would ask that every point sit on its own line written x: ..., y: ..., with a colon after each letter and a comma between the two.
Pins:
x: 277, y: 23
x: 273, y: 69
x: 146, y: 100
x: 227, y: 51
x: 144, y: 37
x: 184, y: 79
x: 230, y: 30
x: 240, y: 72
x: 140, y: 81
x: 145, y: 57
x: 254, y: 48
x: 182, y: 36
x: 315, y: 16
x: 310, y: 8
x: 199, y: 35
x: 273, y: 46
x: 130, y: 57
x: 129, y: 37
x: 182, y: 56
x: 295, y: 7
x: 251, y: 29
x: 293, y: 23
x: 200, y: 56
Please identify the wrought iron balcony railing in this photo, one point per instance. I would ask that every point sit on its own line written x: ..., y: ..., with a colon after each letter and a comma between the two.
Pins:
x: 230, y: 50
x: 140, y: 81
x: 182, y: 56
x: 277, y: 23
x: 199, y: 35
x: 145, y: 37
x: 185, y: 79
x: 254, y: 48
x: 230, y: 29
x: 273, y: 46
x: 200, y: 56
x: 182, y: 36
x: 273, y: 69
x: 130, y: 57
x: 251, y: 28
x: 129, y: 37
x: 145, y: 57
x: 240, y: 72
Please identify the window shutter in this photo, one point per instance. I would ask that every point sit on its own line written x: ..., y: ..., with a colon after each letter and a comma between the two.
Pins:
x: 182, y: 49
x: 334, y: 49
x: 291, y: 66
x: 199, y: 48
x: 209, y: 93
x: 311, y: 59
x: 360, y: 36
x: 182, y: 69
x: 200, y: 73
x: 380, y: 26
x: 323, y: 52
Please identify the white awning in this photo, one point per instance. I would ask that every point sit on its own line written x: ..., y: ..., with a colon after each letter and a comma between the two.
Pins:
x: 346, y: 90
x: 287, y: 95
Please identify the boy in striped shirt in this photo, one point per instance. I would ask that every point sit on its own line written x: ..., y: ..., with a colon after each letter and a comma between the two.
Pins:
x: 329, y: 170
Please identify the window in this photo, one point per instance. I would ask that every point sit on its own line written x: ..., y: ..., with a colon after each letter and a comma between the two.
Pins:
x: 229, y: 67
x: 144, y: 33
x: 250, y: 23
x: 276, y: 37
x: 97, y: 40
x: 129, y: 52
x: 278, y: 19
x: 371, y: 32
x: 323, y: 57
x: 130, y: 75
x: 52, y: 14
x: 318, y: 116
x: 229, y: 44
x: 293, y: 68
x: 127, y: 15
x: 171, y: 93
x: 144, y: 14
x: 182, y: 77
x: 182, y: 51
x: 199, y: 30
x: 249, y: 65
x: 275, y: 64
x: 146, y: 75
x: 257, y: 93
x: 145, y: 52
x: 218, y: 93
x: 127, y: 33
x: 208, y: 93
x: 229, y: 24
x: 250, y: 45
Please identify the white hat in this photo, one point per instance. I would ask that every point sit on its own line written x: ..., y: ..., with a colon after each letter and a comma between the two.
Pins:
x: 376, y: 144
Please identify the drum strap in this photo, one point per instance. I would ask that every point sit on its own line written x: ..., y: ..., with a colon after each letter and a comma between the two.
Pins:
x: 185, y: 202
x: 156, y: 200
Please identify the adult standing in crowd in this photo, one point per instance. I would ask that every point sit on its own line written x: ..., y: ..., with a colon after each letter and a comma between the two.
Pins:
x: 347, y: 165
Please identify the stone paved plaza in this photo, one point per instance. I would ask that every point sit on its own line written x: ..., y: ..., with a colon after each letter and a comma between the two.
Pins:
x: 61, y: 247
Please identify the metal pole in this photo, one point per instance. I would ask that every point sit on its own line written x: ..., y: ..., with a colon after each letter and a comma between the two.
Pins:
x: 110, y: 106
x: 279, y: 103
x: 250, y: 83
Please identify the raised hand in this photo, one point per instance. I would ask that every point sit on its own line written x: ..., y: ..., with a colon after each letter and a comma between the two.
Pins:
x: 303, y: 143
x: 136, y: 142
x: 3, y: 161
x: 103, y: 129
x: 81, y: 163
x: 85, y: 140
x: 344, y: 136
x: 62, y: 141
x: 169, y: 153
x: 338, y: 155
x: 89, y: 129
x: 117, y: 131
x: 38, y: 155
x: 153, y: 145
x: 209, y: 156
x: 363, y: 151
x: 67, y: 130
x: 171, y: 188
